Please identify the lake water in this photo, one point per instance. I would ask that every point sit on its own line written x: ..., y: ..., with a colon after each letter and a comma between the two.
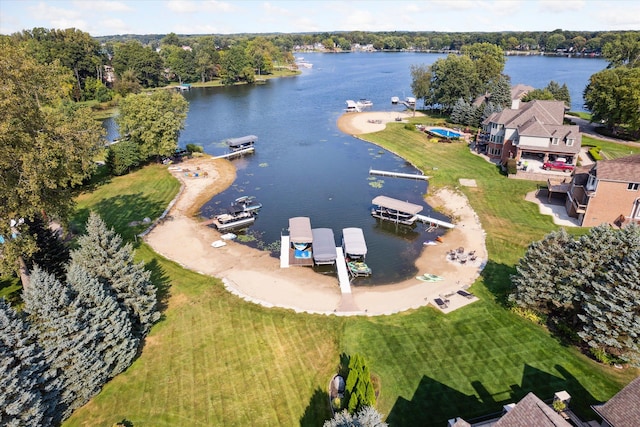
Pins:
x: 304, y: 166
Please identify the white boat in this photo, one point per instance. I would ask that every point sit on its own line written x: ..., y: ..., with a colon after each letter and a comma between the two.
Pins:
x: 394, y: 210
x: 228, y: 221
x: 246, y: 204
x: 410, y: 100
x: 304, y: 64
x: 352, y: 106
x: 395, y: 99
x: 365, y: 103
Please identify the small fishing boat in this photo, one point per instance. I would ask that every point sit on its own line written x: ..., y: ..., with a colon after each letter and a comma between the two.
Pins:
x: 355, y: 251
x: 246, y: 204
x: 395, y: 99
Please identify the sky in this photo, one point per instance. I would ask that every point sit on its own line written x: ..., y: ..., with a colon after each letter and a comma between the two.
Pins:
x: 111, y: 17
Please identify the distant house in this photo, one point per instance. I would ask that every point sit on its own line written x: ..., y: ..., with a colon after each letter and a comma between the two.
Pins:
x: 533, y: 130
x: 623, y: 409
x: 606, y: 192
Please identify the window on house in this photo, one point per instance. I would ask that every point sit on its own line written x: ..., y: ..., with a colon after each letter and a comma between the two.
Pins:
x: 633, y: 186
x: 635, y: 214
x: 569, y: 142
x: 554, y: 141
x: 591, y: 184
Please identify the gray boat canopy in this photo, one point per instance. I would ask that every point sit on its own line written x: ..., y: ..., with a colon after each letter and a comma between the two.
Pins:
x: 324, y: 246
x: 243, y: 140
x: 353, y: 242
x: 300, y: 230
x: 397, y: 205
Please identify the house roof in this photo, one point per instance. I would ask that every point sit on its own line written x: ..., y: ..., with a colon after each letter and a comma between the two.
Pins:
x: 626, y: 169
x: 547, y: 112
x: 534, y: 128
x: 531, y: 411
x: 623, y: 409
x: 520, y: 90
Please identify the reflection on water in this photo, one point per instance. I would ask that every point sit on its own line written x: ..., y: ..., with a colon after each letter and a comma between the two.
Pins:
x: 304, y: 166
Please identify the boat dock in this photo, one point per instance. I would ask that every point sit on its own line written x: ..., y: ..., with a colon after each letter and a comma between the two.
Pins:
x: 429, y: 220
x: 398, y: 174
x: 236, y: 153
x: 343, y: 274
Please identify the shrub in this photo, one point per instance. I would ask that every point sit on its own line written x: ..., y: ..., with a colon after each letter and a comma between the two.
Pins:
x: 594, y: 152
x: 194, y: 148
x: 529, y: 315
x: 512, y: 166
x: 601, y: 355
x: 559, y: 405
x: 409, y: 126
x: 336, y: 403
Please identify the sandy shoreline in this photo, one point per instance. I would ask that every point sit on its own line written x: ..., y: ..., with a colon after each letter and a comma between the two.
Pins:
x: 256, y: 276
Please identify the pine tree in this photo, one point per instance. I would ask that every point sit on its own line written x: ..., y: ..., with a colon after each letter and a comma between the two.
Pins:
x: 53, y: 312
x: 501, y: 92
x: 113, y: 337
x: 459, y: 111
x: 359, y: 391
x: 23, y: 399
x: 52, y: 254
x: 544, y: 280
x: 365, y: 417
x: 102, y: 253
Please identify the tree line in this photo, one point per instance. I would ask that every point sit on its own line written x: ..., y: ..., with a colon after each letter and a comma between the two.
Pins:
x: 73, y: 334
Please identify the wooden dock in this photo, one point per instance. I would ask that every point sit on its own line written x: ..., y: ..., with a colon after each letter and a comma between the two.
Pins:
x: 398, y: 174
x: 236, y: 153
x: 284, y: 251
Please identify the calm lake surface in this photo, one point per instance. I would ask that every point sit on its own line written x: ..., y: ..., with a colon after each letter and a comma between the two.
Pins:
x: 304, y: 166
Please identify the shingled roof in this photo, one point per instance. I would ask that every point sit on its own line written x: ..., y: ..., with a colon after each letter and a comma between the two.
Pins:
x: 624, y: 169
x: 623, y: 409
x: 531, y: 411
x: 547, y: 112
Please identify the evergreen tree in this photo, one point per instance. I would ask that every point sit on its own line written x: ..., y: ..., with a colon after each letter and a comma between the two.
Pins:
x: 543, y: 281
x: 23, y: 400
x: 67, y: 347
x: 501, y: 92
x: 459, y: 111
x: 52, y: 254
x: 489, y: 109
x: 365, y: 417
x: 106, y: 323
x: 359, y: 390
x: 102, y: 253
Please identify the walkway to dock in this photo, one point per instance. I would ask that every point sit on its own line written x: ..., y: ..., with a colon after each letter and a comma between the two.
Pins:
x: 236, y: 153
x: 429, y: 220
x: 398, y: 174
x: 284, y: 251
x: 343, y: 274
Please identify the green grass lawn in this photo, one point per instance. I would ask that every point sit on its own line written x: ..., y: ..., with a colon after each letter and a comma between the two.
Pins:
x: 216, y: 360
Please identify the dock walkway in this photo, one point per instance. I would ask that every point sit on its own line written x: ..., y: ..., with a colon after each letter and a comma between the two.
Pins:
x: 398, y: 174
x: 236, y: 153
x: 343, y: 274
x: 284, y: 251
x: 429, y: 220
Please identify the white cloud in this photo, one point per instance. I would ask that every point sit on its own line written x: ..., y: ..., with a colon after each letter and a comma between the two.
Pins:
x: 193, y: 6
x: 621, y: 19
x: 556, y: 6
x: 102, y: 6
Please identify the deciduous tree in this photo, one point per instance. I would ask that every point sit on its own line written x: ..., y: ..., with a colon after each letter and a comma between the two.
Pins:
x: 153, y: 122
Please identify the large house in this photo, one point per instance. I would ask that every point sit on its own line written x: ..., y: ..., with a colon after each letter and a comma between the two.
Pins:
x: 530, y: 130
x: 606, y: 192
x: 623, y: 409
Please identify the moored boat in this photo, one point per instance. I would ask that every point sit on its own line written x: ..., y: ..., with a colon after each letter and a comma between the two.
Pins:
x: 355, y: 251
x: 389, y: 209
x: 246, y: 204
x: 233, y: 219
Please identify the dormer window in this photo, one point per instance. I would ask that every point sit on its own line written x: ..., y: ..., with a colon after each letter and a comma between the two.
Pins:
x: 570, y: 142
x: 633, y: 186
x: 591, y: 183
x: 554, y: 141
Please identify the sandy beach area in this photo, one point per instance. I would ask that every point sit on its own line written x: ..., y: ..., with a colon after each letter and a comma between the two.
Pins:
x: 257, y: 277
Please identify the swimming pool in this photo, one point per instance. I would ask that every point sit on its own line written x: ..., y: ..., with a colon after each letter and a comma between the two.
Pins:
x: 447, y: 133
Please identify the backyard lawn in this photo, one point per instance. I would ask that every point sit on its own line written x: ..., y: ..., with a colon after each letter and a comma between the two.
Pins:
x: 216, y: 360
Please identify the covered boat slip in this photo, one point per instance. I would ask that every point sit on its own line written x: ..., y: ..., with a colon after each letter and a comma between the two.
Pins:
x: 355, y: 251
x: 395, y: 210
x: 324, y: 246
x: 301, y: 241
x: 242, y: 142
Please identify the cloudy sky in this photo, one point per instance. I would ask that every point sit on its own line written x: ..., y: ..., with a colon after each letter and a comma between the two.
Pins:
x: 107, y: 17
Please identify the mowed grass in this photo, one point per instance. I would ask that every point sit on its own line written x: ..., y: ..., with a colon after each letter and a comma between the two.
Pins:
x: 217, y: 360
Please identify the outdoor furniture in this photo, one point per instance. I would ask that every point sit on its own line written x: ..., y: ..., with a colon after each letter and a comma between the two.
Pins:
x: 465, y: 294
x: 462, y: 259
x: 460, y: 250
x: 441, y: 304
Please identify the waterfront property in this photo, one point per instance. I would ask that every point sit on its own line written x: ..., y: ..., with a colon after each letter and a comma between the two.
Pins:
x: 530, y: 130
x: 606, y: 192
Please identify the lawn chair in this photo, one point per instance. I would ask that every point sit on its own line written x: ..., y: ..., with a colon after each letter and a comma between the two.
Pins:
x: 465, y: 294
x: 441, y: 304
x: 460, y: 250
